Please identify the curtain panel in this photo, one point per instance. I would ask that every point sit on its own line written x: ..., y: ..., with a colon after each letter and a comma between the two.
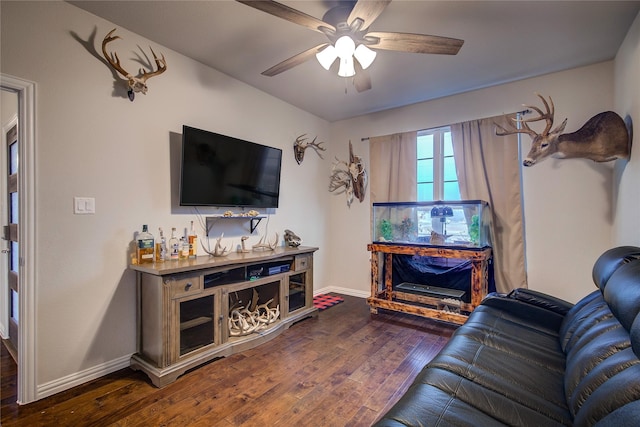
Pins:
x: 488, y: 168
x: 392, y: 171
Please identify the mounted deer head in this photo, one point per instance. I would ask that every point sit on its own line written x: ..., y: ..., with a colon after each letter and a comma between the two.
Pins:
x: 603, y: 138
x: 301, y: 145
x: 135, y: 83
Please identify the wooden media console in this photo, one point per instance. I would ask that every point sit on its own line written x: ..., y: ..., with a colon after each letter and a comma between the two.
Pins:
x: 196, y: 310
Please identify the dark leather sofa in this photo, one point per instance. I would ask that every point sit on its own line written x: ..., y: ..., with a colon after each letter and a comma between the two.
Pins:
x: 529, y: 359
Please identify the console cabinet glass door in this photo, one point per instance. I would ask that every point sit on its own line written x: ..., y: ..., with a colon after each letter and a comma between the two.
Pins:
x: 197, y: 323
x: 298, y: 291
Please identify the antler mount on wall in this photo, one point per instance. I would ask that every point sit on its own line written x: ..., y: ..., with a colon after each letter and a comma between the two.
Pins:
x: 136, y: 84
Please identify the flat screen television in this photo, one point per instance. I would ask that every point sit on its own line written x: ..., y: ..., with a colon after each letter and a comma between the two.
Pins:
x: 219, y: 170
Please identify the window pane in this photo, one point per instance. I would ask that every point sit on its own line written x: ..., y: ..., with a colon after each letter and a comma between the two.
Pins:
x: 13, y: 211
x: 425, y: 192
x: 448, y: 146
x: 15, y: 257
x: 451, y: 191
x: 425, y: 170
x: 14, y: 305
x: 13, y: 158
x: 425, y: 146
x: 449, y: 169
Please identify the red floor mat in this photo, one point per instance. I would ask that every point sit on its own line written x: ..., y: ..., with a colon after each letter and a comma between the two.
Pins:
x: 324, y: 301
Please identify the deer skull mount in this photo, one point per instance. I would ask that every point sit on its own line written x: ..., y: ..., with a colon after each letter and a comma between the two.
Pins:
x: 604, y: 137
x: 136, y: 84
x: 349, y: 178
x: 301, y: 144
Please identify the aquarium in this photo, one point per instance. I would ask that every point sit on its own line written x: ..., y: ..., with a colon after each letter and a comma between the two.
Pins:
x: 462, y: 223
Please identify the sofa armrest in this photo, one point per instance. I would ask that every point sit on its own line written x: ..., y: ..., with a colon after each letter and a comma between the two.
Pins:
x: 542, y: 300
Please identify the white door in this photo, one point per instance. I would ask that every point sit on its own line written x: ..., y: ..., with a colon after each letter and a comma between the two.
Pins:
x: 17, y: 264
x: 10, y: 235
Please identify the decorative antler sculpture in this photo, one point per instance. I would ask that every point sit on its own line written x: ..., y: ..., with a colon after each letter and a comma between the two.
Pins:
x: 300, y: 145
x: 352, y: 180
x: 218, y: 250
x: 604, y: 137
x: 263, y: 244
x: 135, y: 83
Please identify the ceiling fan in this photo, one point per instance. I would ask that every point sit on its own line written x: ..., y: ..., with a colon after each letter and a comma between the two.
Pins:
x: 346, y: 26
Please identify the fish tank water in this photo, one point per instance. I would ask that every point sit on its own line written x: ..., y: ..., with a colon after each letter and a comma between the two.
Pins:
x: 462, y: 223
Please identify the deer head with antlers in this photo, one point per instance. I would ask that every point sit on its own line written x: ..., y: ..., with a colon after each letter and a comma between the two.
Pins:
x: 135, y: 83
x: 603, y: 138
x: 301, y: 144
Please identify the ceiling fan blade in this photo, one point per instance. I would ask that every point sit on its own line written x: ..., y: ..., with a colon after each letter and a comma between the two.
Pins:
x: 362, y: 79
x: 293, y: 61
x: 368, y: 11
x: 416, y: 43
x: 287, y: 13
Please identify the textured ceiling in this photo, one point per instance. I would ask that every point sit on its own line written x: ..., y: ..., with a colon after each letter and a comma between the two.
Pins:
x: 504, y: 41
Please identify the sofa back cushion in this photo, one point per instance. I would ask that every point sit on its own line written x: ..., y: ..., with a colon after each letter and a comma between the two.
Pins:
x: 601, y: 339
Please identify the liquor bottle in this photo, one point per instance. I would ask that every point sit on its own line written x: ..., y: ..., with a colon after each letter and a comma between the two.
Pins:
x: 193, y: 242
x: 174, y: 246
x: 145, y: 246
x: 184, y: 248
x: 161, y: 247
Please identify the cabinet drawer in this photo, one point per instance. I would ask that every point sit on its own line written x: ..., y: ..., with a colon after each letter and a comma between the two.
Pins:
x: 181, y: 286
x: 302, y: 262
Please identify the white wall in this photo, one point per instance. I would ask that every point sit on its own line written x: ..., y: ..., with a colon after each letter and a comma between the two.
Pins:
x: 94, y: 144
x: 568, y: 206
x: 627, y: 176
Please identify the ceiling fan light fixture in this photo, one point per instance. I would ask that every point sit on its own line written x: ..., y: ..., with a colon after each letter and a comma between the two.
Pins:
x: 326, y: 56
x: 345, y: 47
x: 365, y: 56
x: 346, y: 67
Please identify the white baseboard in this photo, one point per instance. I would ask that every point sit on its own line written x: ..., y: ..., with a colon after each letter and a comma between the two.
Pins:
x: 65, y: 383
x: 344, y: 291
x: 78, y: 378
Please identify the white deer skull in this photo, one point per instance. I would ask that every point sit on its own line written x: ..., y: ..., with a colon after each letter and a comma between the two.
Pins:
x: 136, y: 84
x: 301, y: 144
x: 351, y: 180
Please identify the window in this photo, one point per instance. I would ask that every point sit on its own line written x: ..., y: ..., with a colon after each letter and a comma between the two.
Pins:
x: 436, y: 168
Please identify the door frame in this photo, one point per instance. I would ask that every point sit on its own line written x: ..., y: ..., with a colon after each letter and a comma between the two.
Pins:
x: 26, y: 91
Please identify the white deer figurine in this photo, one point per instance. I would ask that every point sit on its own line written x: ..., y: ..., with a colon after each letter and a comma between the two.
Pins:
x: 603, y: 138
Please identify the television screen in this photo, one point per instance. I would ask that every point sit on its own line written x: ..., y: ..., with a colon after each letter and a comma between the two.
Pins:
x: 219, y: 170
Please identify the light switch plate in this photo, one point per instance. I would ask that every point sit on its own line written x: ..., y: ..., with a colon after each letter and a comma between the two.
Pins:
x: 84, y: 205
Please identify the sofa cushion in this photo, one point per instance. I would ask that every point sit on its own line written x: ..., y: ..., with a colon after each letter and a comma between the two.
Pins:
x: 497, y: 366
x: 603, y: 371
x: 527, y: 359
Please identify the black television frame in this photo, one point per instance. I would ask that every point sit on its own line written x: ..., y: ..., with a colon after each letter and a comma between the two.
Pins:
x: 239, y: 173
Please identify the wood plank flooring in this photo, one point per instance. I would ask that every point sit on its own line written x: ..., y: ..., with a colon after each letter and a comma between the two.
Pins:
x: 344, y: 368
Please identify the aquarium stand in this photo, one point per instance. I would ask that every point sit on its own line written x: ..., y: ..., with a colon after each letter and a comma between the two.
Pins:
x: 421, y: 299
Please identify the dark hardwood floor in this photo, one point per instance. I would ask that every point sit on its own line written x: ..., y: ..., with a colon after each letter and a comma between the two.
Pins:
x: 344, y: 368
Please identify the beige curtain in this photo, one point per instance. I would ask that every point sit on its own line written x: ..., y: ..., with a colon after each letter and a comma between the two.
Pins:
x: 488, y: 168
x: 392, y: 171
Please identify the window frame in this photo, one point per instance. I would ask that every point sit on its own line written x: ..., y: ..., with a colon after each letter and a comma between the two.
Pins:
x: 438, y: 163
